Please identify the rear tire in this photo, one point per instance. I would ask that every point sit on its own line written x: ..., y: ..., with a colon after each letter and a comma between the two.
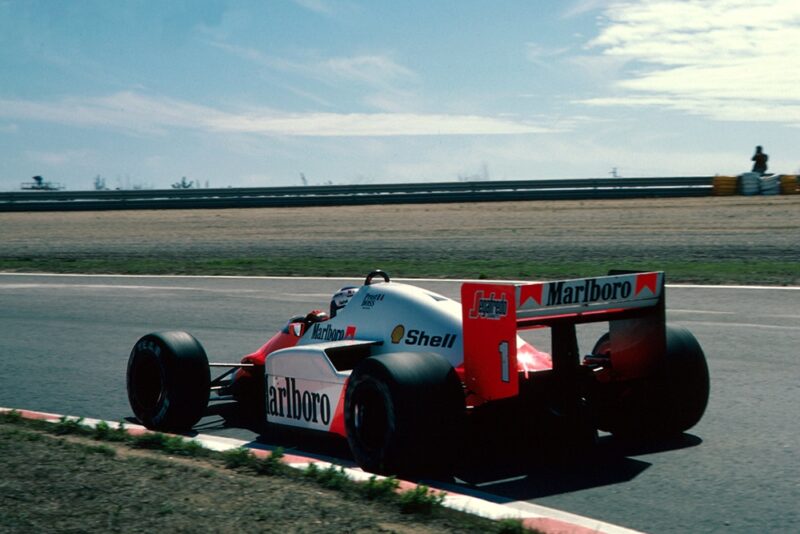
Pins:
x: 168, y: 381
x: 403, y: 412
x: 666, y: 404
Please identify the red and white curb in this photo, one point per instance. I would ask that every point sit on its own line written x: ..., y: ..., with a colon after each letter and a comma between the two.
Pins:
x: 541, y: 518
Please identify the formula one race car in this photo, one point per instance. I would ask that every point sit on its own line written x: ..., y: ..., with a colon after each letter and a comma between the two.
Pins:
x: 401, y: 372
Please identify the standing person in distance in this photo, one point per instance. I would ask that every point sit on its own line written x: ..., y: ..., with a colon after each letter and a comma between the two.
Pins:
x: 760, y: 161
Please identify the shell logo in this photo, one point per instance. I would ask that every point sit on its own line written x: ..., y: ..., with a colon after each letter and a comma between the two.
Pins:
x: 398, y: 333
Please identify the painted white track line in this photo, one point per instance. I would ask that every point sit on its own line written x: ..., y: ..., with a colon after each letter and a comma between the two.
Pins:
x: 547, y: 520
x: 350, y: 279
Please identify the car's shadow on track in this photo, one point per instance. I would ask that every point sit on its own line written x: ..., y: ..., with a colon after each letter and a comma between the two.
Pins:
x: 488, y: 469
x: 537, y: 474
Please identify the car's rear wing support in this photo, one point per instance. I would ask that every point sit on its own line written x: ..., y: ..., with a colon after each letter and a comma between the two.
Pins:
x: 633, y: 303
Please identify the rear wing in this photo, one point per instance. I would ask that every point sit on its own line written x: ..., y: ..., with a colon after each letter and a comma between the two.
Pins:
x: 633, y: 303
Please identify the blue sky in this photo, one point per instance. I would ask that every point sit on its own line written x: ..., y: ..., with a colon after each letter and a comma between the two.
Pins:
x: 253, y: 93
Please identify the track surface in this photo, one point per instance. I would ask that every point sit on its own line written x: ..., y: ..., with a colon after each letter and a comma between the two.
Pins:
x: 64, y: 342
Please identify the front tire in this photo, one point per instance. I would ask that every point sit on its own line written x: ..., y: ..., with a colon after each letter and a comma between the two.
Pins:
x: 403, y: 412
x: 168, y: 381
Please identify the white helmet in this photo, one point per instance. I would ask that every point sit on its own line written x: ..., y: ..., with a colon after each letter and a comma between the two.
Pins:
x: 341, y: 298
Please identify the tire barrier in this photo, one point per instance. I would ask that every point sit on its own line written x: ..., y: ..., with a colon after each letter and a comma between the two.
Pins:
x: 769, y: 185
x: 789, y: 184
x: 749, y: 184
x: 724, y: 186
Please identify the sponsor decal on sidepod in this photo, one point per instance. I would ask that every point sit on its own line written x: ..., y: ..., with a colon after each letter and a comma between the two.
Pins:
x: 422, y: 338
x: 290, y: 402
x: 325, y: 332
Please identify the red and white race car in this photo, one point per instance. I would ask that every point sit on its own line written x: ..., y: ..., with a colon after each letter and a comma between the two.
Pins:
x: 401, y: 372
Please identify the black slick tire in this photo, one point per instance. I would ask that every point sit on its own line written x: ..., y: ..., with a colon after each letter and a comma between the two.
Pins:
x: 403, y: 412
x: 663, y: 405
x: 168, y: 381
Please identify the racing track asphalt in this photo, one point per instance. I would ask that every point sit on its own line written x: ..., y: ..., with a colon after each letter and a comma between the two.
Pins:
x: 64, y: 342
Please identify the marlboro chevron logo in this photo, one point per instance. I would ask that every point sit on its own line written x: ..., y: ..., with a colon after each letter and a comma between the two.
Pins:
x: 325, y: 332
x: 590, y: 290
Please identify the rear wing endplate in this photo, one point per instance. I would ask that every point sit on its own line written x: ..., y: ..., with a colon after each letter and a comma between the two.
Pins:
x: 633, y: 303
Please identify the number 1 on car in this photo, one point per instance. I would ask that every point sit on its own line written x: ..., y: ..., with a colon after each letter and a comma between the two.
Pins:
x: 504, y: 370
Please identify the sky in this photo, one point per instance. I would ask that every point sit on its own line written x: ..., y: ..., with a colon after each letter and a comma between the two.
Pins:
x: 268, y: 93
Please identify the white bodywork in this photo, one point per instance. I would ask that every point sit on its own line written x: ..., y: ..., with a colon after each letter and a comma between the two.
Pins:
x: 304, y: 388
x: 405, y: 318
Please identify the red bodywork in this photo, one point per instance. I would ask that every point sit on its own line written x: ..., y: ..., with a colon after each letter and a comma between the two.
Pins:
x: 632, y: 303
x: 495, y: 357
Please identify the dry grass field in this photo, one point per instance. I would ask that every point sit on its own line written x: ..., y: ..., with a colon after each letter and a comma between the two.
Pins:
x: 75, y: 483
x: 713, y: 239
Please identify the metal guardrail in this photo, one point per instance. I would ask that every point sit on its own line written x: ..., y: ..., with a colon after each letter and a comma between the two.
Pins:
x: 340, y: 195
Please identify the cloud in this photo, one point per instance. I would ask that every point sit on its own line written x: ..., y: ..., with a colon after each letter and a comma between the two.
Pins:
x: 317, y: 6
x: 126, y: 111
x: 724, y: 59
x: 584, y: 6
x: 387, y: 84
x: 371, y: 69
x: 374, y: 124
x: 717, y: 109
x: 375, y: 70
x: 381, y: 82
x: 541, y: 55
x: 59, y: 158
x: 142, y: 115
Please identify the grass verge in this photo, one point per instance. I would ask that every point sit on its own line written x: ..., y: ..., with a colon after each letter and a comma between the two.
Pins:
x: 711, y: 271
x: 67, y: 476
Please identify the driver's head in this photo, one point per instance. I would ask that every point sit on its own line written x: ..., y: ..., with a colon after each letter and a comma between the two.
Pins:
x: 341, y: 298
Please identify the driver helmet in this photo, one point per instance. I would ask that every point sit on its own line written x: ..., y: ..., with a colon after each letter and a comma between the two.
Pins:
x: 341, y: 298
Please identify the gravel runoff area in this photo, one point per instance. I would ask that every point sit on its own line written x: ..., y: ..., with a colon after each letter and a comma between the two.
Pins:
x: 709, y: 229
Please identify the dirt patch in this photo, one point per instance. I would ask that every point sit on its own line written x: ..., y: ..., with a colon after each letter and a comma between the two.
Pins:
x: 756, y: 229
